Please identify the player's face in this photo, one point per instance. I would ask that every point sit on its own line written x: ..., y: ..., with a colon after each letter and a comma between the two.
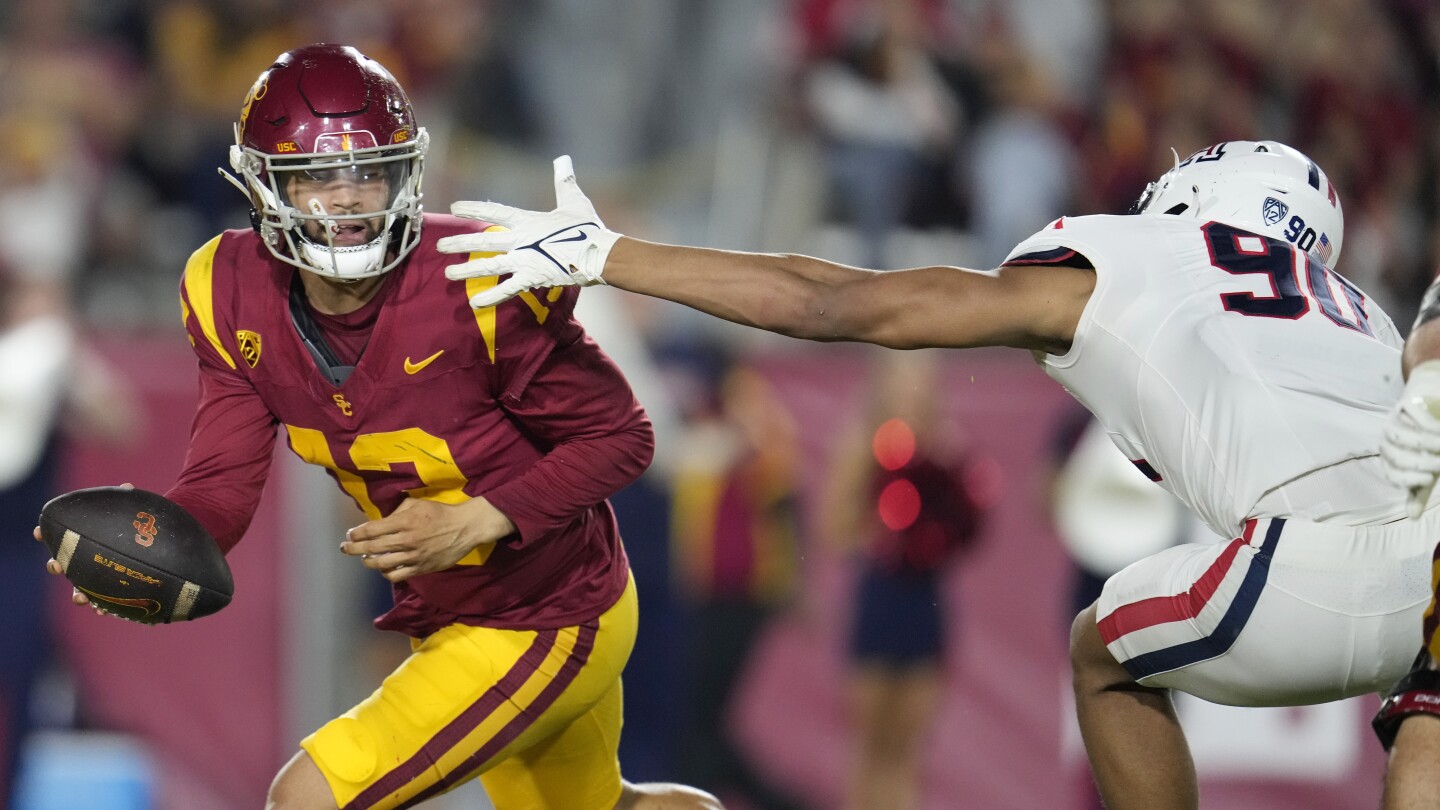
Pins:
x: 335, y: 193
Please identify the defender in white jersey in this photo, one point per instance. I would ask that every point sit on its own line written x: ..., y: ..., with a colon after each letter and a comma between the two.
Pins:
x: 1211, y: 336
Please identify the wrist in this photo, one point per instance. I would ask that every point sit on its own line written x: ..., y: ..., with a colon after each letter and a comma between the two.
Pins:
x: 1424, y: 373
x: 597, y: 253
x: 1424, y: 384
x: 489, y: 523
x: 1417, y: 693
x: 622, y: 257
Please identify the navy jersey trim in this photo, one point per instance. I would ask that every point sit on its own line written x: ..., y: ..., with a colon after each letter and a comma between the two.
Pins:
x: 1144, y: 466
x: 1054, y: 257
x: 1222, y: 638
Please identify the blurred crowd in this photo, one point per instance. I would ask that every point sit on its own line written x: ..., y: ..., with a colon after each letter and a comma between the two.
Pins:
x: 748, y: 124
x: 883, y: 132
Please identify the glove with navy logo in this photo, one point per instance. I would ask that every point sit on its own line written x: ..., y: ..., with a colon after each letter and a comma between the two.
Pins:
x: 564, y: 247
x: 1411, y: 447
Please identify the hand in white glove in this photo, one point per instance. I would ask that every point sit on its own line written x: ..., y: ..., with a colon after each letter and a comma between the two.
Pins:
x: 567, y: 246
x: 1411, y: 447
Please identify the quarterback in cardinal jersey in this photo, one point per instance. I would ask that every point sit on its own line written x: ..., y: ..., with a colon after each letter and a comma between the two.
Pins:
x: 444, y: 403
x: 480, y: 443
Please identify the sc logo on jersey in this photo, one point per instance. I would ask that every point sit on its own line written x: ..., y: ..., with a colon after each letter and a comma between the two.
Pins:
x: 1274, y: 210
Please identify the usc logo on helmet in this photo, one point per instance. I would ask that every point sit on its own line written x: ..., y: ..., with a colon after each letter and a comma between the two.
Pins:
x: 249, y: 346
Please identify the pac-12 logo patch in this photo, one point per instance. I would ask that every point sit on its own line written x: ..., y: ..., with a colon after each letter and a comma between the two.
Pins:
x: 249, y: 346
x: 1274, y: 210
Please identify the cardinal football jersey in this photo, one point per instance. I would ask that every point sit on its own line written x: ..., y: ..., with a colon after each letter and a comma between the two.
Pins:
x: 1241, y: 375
x: 445, y: 403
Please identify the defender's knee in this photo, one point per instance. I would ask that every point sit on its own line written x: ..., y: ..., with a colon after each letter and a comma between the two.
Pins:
x: 1090, y: 660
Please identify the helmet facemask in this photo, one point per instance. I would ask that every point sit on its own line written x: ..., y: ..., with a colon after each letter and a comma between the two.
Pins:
x: 384, y: 180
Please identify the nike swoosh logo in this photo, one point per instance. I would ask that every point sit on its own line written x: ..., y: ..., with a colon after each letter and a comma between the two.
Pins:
x: 411, y: 368
x: 576, y: 238
x: 149, y: 606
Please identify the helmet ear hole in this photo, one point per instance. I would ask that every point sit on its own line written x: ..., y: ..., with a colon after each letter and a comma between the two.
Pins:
x: 1178, y: 208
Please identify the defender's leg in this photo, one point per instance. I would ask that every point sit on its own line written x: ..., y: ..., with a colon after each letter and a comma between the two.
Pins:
x: 1132, y: 736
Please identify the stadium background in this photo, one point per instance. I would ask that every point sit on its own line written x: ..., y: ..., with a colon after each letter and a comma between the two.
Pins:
x: 729, y: 124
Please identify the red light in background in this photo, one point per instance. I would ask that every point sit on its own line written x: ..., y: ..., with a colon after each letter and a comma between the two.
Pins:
x: 894, y: 444
x: 899, y: 505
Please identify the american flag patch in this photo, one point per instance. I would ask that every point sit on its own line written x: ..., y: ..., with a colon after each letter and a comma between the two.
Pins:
x: 1323, y: 250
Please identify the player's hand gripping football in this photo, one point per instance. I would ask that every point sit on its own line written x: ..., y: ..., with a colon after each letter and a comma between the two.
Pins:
x: 422, y: 536
x: 566, y: 246
x: 1411, y: 447
x: 52, y: 566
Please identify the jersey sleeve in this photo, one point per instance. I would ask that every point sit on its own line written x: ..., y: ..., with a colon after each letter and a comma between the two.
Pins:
x: 1050, y: 246
x: 233, y: 433
x: 573, y: 399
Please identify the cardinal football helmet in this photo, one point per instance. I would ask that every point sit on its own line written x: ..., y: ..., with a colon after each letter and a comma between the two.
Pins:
x: 322, y: 113
x: 1264, y: 187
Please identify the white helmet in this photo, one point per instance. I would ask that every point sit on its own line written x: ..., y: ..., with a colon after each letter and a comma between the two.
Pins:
x: 1265, y: 187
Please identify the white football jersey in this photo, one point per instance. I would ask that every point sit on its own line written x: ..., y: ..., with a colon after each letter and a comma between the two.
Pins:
x: 1245, y: 378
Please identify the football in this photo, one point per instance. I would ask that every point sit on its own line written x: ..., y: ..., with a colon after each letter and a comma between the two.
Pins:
x: 136, y: 554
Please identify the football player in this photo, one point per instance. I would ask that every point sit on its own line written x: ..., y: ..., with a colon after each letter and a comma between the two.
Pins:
x: 1408, y: 722
x: 481, y: 444
x: 1212, y: 338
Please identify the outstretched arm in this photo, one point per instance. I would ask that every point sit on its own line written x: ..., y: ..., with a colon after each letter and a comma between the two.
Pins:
x: 1025, y: 307
x: 1030, y: 307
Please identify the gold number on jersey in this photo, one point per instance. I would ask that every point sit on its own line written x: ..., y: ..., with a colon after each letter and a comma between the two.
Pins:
x: 434, y: 465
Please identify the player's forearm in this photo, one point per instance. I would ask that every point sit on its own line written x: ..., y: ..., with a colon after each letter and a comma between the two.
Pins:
x: 222, y: 492
x: 573, y: 477
x: 1424, y: 341
x: 228, y: 459
x: 788, y: 294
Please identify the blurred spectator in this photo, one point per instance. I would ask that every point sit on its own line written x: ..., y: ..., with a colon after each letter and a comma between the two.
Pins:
x: 642, y: 510
x: 1018, y: 162
x: 910, y: 497
x: 48, y: 174
x: 35, y: 348
x: 882, y: 111
x: 735, y: 533
x: 202, y: 57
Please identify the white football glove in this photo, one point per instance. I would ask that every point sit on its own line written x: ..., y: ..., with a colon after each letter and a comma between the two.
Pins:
x: 1411, y: 448
x: 567, y: 246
